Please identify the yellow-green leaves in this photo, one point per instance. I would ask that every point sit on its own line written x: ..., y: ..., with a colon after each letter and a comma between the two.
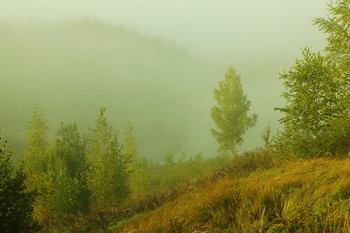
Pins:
x: 107, y: 176
x: 230, y: 114
x: 317, y: 114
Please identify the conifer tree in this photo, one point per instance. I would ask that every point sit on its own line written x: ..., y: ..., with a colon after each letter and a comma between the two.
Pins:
x: 136, y: 167
x: 129, y: 147
x: 35, y: 162
x: 70, y: 149
x: 107, y: 176
x: 230, y: 113
x: 36, y: 140
x: 16, y: 203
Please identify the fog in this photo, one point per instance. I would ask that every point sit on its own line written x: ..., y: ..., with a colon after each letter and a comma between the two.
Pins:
x: 153, y: 62
x: 221, y: 27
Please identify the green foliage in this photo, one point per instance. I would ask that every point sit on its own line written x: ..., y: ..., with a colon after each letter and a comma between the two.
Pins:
x: 169, y: 158
x: 337, y: 28
x: 107, y: 177
x: 312, y: 93
x: 230, y: 113
x: 136, y: 167
x: 139, y: 182
x: 41, y: 169
x: 129, y: 145
x: 55, y: 171
x: 266, y: 136
x: 57, y: 190
x: 71, y: 150
x: 16, y: 203
x: 317, y: 117
x: 36, y: 140
x: 170, y: 175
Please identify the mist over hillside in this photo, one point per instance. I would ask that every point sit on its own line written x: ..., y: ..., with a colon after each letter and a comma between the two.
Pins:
x: 71, y: 68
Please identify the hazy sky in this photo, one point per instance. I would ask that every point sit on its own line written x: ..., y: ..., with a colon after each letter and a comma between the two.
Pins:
x: 221, y: 27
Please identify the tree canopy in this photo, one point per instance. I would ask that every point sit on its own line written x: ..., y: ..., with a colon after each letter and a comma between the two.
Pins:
x: 317, y: 92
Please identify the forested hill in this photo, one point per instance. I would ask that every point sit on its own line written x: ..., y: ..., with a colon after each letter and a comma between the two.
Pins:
x: 73, y: 68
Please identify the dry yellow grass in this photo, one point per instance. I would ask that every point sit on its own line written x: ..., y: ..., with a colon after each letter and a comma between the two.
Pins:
x: 299, y: 196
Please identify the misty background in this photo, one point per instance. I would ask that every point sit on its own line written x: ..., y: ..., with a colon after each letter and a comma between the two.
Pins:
x: 153, y: 62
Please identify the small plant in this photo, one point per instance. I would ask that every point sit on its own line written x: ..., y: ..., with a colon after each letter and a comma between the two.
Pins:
x: 266, y: 136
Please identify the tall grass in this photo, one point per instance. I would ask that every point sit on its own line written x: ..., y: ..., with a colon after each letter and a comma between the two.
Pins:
x: 256, y: 193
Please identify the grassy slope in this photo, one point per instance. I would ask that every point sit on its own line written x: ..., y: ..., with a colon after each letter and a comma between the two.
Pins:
x: 298, y: 196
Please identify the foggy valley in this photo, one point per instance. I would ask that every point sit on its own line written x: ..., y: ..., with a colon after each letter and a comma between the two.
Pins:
x: 71, y: 65
x: 174, y: 116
